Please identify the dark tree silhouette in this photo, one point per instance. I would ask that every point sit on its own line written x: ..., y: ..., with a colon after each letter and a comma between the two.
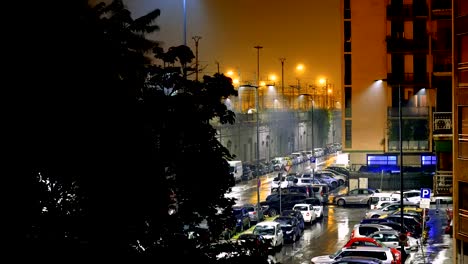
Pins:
x: 113, y: 142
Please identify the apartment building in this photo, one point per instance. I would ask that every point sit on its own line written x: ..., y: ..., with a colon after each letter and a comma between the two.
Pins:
x: 397, y: 59
x: 460, y: 127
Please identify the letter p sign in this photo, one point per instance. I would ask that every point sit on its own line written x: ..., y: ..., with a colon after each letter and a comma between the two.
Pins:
x: 425, y: 193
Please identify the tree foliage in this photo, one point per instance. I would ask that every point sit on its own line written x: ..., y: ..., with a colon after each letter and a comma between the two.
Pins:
x: 115, y: 140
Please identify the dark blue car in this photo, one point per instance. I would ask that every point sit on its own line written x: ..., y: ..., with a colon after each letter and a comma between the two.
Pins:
x: 290, y: 226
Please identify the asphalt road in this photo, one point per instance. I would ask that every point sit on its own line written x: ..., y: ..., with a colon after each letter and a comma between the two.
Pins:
x: 329, y: 234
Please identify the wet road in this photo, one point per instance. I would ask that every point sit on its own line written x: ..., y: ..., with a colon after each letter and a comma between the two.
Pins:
x: 329, y: 234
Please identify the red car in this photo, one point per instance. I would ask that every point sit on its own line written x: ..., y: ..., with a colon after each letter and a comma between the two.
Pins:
x: 367, y: 241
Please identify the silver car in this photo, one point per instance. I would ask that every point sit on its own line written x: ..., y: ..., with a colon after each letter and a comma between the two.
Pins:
x: 360, y: 196
x: 254, y: 215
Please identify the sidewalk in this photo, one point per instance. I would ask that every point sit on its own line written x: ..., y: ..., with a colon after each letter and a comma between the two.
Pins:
x: 438, y: 249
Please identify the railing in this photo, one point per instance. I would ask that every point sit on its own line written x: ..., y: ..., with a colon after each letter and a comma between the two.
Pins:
x: 441, y: 8
x: 406, y: 11
x: 423, y: 112
x: 399, y: 44
x: 409, y: 145
x: 408, y: 79
x: 463, y: 146
x: 443, y: 183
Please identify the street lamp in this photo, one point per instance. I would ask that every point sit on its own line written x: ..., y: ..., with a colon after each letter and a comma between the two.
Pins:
x: 400, y: 140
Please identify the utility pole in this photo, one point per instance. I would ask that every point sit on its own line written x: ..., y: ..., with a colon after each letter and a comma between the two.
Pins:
x: 217, y: 64
x: 282, y: 80
x: 196, y: 38
x: 258, y: 135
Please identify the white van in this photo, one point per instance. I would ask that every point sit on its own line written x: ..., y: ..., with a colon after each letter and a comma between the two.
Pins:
x: 236, y: 169
x: 379, y: 200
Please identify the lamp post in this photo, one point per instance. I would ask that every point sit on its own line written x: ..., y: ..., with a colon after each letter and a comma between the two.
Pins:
x: 400, y: 141
x: 258, y: 135
x: 282, y: 81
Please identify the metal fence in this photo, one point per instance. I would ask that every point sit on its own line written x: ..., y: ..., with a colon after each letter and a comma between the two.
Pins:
x: 391, y: 182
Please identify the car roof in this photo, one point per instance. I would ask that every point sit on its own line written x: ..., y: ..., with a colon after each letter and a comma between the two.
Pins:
x: 268, y: 223
x: 358, y: 259
x: 366, y: 248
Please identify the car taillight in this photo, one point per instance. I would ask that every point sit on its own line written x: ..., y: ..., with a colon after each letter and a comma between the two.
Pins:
x: 408, y: 234
x: 321, y: 193
x: 352, y: 234
x: 254, y: 213
x: 307, y: 214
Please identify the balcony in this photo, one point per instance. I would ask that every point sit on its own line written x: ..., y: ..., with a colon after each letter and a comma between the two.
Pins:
x: 398, y: 44
x: 441, y: 9
x: 409, y: 112
x: 407, y: 12
x: 408, y: 79
x: 443, y: 183
x: 409, y: 145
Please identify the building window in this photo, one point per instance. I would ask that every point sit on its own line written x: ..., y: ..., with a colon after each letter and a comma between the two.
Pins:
x: 382, y: 160
x: 348, y: 135
x: 462, y: 7
x: 347, y: 36
x: 463, y: 131
x: 462, y: 50
x: 347, y: 9
x: 347, y: 101
x: 428, y: 160
x: 347, y: 77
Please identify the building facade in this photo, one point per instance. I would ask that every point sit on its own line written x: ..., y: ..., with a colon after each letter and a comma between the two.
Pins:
x: 460, y: 129
x: 396, y: 63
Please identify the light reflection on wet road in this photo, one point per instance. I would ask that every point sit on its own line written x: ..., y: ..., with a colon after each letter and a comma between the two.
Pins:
x: 324, y: 237
x: 329, y: 234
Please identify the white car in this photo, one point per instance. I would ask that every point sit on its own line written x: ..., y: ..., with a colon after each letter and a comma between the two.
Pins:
x: 318, y: 206
x: 391, y: 239
x: 384, y: 254
x: 270, y: 230
x: 363, y: 230
x: 276, y: 182
x: 307, y: 211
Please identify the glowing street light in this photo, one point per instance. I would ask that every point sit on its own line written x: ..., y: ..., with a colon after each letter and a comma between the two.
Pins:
x: 400, y: 132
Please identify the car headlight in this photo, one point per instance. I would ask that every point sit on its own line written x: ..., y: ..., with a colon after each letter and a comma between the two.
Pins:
x: 289, y: 232
x: 239, y: 220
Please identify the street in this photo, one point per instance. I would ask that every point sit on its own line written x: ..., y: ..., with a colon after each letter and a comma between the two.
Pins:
x: 329, y: 234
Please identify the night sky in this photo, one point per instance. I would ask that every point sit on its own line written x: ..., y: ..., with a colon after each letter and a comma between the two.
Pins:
x: 302, y: 31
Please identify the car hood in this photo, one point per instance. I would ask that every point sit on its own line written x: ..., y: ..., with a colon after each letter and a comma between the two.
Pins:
x: 320, y: 259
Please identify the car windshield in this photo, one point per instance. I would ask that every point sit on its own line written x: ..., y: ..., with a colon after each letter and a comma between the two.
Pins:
x: 334, y: 255
x: 237, y: 211
x: 264, y: 230
x: 301, y: 208
x: 284, y: 220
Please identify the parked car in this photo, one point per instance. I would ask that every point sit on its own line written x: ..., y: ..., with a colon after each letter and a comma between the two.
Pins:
x: 255, y: 215
x: 388, y: 209
x: 321, y: 192
x: 305, y: 190
x: 341, y: 178
x: 370, y: 242
x: 391, y: 239
x: 255, y: 243
x: 339, y: 169
x: 318, y: 206
x: 409, y: 221
x: 384, y: 254
x: 247, y: 173
x: 297, y: 215
x: 287, y: 202
x: 360, y: 230
x: 307, y: 211
x: 270, y: 230
x: 242, y: 218
x: 327, y: 177
x: 360, y: 196
x: 290, y: 226
x: 357, y: 260
x: 394, y: 225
